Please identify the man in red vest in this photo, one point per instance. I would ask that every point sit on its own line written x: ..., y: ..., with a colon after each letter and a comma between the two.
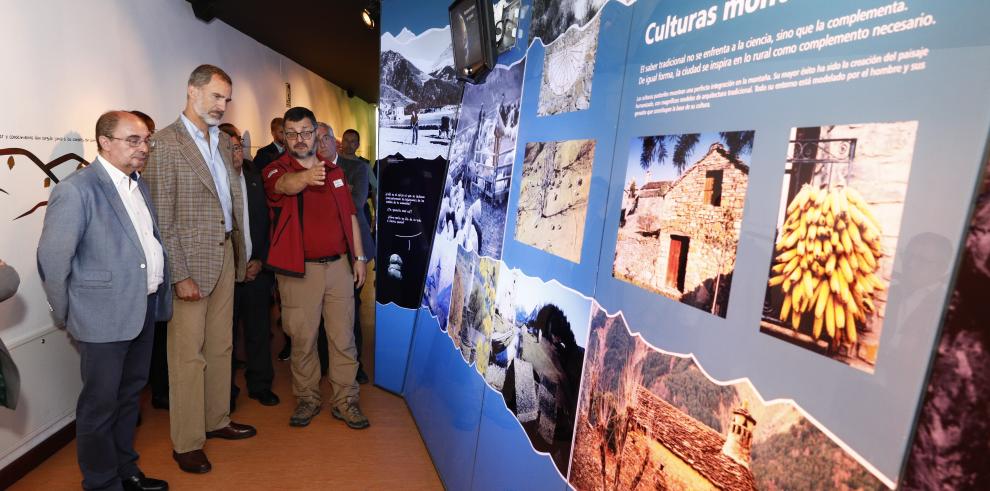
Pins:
x: 318, y: 259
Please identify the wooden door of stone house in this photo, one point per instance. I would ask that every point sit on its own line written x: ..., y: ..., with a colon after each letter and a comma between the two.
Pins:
x: 677, y: 262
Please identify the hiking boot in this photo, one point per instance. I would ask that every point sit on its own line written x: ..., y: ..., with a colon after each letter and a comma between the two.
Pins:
x: 304, y: 413
x: 350, y: 413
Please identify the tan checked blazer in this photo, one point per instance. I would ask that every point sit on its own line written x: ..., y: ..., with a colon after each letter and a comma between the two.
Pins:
x: 189, y: 211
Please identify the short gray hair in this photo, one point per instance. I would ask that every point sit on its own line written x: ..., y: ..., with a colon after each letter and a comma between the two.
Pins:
x: 204, y: 73
x: 329, y: 128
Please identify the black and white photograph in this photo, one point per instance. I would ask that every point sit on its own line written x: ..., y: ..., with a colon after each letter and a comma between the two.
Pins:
x: 472, y: 211
x: 419, y: 94
x: 569, y: 30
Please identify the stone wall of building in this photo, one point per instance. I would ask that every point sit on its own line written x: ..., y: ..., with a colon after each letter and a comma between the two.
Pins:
x: 713, y: 231
x: 879, y: 172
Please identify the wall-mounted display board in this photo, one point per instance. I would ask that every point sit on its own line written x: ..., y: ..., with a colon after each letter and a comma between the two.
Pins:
x: 710, y: 244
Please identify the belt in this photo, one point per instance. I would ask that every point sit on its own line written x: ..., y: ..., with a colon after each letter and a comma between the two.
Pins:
x: 325, y: 259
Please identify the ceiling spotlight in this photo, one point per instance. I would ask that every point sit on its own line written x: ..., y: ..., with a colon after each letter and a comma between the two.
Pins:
x: 371, y: 13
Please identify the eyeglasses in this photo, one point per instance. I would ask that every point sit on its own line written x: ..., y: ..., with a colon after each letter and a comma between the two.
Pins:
x: 135, y: 141
x: 306, y: 135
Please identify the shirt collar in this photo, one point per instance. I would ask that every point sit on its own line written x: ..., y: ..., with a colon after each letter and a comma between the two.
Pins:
x: 279, y: 147
x: 195, y: 131
x: 116, y: 175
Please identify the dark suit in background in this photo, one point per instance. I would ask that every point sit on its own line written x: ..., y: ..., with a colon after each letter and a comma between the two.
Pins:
x: 358, y: 173
x: 253, y: 299
x: 266, y: 155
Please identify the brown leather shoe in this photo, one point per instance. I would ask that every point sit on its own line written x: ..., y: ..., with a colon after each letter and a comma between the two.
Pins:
x: 194, y: 461
x: 233, y: 431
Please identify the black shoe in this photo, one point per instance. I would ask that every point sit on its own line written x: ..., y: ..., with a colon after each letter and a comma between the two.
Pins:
x: 265, y: 397
x: 362, y: 378
x: 139, y: 482
x: 194, y: 461
x: 159, y: 402
x: 285, y: 353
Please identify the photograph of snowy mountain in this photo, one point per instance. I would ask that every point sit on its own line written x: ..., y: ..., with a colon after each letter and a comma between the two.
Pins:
x: 419, y: 94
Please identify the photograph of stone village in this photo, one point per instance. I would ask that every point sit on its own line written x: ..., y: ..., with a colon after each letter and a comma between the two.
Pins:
x: 652, y: 420
x: 536, y: 352
x: 682, y: 208
x: 838, y: 227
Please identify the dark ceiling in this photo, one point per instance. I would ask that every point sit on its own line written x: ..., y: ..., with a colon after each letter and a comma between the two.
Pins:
x: 325, y: 36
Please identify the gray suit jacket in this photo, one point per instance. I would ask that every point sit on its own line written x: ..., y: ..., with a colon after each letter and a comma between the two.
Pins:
x: 91, y: 261
x: 357, y: 173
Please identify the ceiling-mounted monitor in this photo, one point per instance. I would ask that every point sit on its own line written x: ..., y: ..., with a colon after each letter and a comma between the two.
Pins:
x: 472, y: 32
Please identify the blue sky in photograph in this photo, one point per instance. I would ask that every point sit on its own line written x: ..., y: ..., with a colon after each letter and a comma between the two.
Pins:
x: 667, y: 171
x: 532, y: 292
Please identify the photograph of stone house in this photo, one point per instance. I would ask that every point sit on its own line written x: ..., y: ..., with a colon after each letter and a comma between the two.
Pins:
x: 838, y: 226
x: 648, y: 419
x: 681, y: 213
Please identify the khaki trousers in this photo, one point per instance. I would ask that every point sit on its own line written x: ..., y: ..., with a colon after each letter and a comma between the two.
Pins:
x: 327, y: 289
x: 199, y: 349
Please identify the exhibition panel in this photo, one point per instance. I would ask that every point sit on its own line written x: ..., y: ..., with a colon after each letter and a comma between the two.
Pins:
x: 696, y: 244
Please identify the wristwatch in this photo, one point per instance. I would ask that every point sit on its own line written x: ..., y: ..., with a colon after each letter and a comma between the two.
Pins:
x: 363, y: 259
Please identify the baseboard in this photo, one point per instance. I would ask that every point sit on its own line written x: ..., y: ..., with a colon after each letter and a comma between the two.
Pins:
x: 34, y: 457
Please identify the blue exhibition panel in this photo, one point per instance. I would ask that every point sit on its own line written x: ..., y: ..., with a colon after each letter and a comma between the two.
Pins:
x: 445, y: 397
x: 502, y: 444
x: 392, y: 338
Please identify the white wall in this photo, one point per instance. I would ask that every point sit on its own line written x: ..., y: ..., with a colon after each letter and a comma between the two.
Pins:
x: 63, y: 63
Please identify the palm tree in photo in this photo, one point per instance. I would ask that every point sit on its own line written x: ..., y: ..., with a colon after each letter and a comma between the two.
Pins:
x: 655, y: 148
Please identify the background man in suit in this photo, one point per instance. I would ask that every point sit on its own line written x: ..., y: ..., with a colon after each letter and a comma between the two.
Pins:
x: 158, y: 378
x: 268, y: 153
x: 253, y: 296
x: 356, y: 171
x: 190, y: 176
x: 101, y: 259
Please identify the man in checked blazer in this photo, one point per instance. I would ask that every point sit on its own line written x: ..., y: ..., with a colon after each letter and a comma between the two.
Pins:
x: 194, y: 188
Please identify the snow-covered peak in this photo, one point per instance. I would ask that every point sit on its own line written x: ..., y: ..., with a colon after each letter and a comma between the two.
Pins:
x: 421, y: 50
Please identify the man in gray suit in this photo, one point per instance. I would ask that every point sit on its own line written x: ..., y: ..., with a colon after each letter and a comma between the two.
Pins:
x: 357, y: 172
x: 104, y: 271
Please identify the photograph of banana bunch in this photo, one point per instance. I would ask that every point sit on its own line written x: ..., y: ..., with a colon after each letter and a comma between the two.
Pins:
x: 841, y: 207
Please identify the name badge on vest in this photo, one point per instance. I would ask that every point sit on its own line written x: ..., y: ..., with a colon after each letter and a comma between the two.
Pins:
x: 338, y: 183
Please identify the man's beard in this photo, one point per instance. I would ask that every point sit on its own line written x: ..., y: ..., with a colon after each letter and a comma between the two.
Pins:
x: 208, y: 118
x: 302, y: 156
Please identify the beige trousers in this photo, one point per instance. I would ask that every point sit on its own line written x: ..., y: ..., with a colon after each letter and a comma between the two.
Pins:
x: 199, y: 349
x: 327, y: 289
